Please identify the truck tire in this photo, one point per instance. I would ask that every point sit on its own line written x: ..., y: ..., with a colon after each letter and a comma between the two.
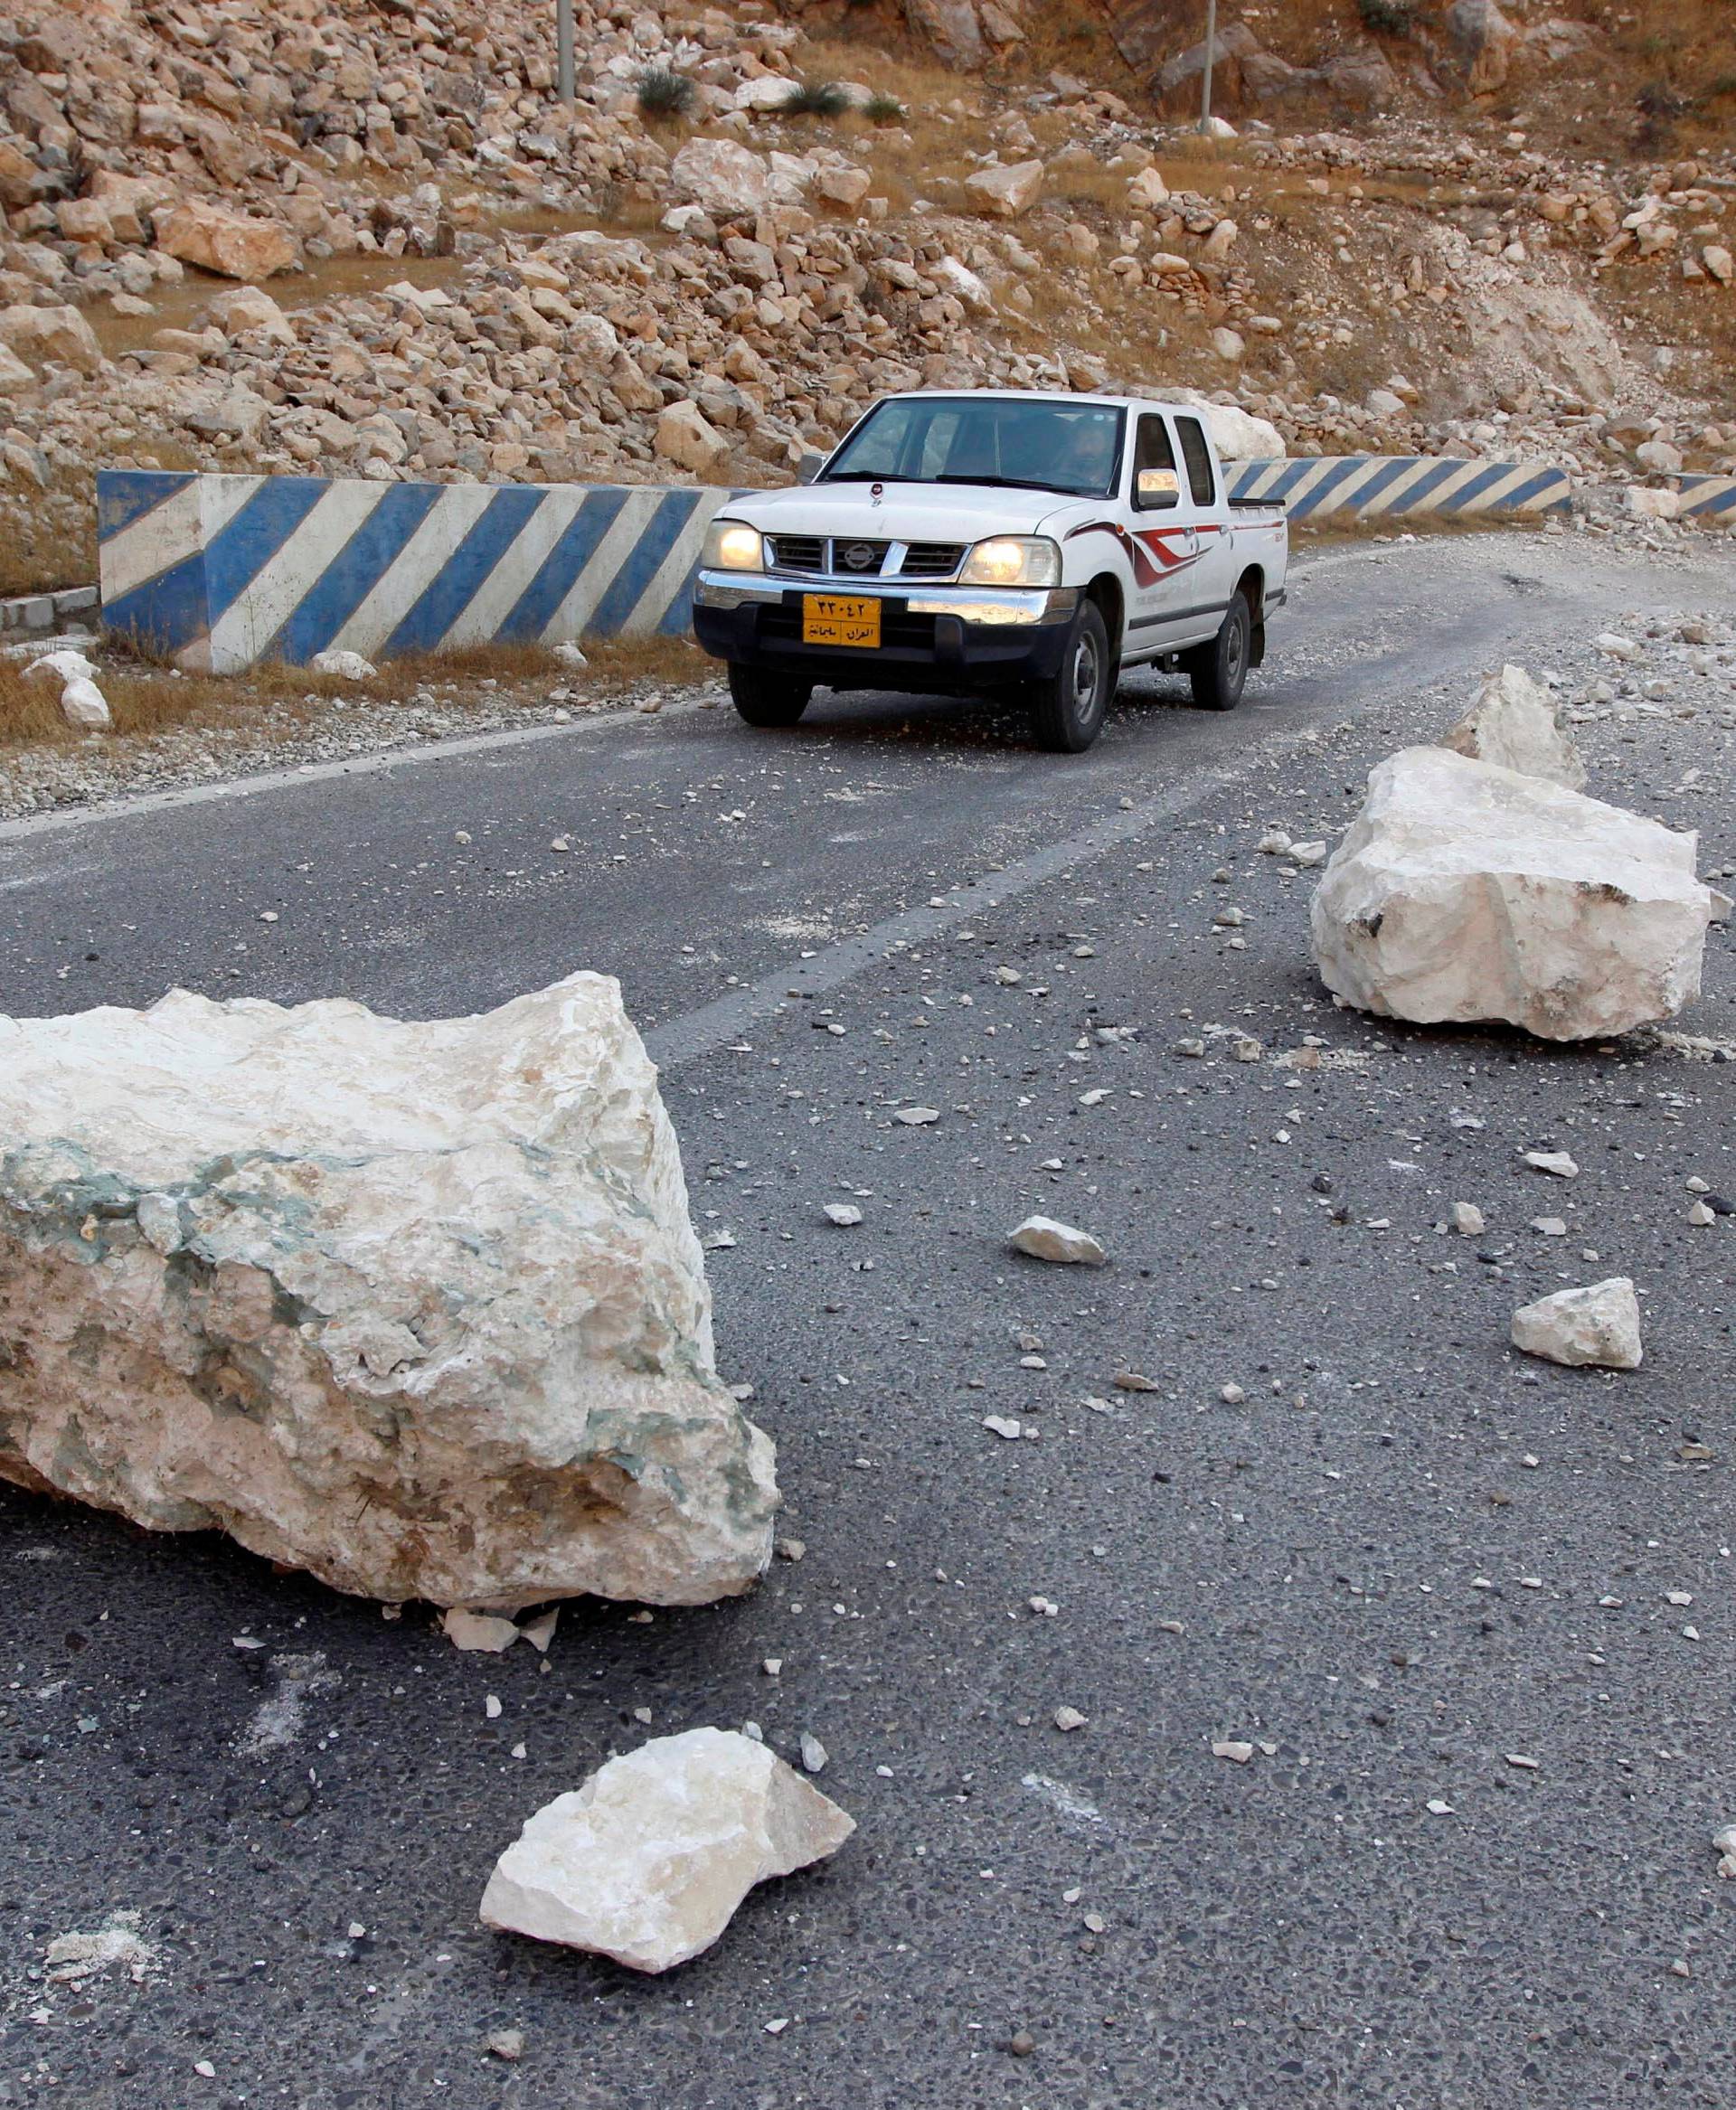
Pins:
x: 764, y: 699
x: 1067, y: 711
x: 1217, y: 671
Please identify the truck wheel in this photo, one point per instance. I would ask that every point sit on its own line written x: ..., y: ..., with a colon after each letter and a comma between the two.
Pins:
x: 1068, y: 710
x: 1218, y: 671
x: 764, y: 699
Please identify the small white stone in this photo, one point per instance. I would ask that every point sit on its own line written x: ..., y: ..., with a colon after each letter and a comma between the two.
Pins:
x: 842, y: 1213
x: 813, y: 1753
x: 1554, y: 1162
x: 1595, y: 1325
x: 648, y: 1859
x: 1069, y: 1717
x: 1044, y: 1238
x: 916, y: 1116
x: 1234, y: 1749
x: 1002, y: 1425
x: 1467, y: 1220
x: 483, y: 1630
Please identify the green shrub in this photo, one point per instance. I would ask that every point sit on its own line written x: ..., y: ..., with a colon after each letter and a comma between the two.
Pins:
x: 1389, y: 18
x: 884, y: 109
x: 664, y: 93
x: 816, y: 98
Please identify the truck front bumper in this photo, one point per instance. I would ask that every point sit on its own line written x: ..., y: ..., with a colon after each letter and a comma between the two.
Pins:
x: 936, y: 640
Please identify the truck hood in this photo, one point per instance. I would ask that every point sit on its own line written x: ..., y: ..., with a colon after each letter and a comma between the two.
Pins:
x: 906, y: 512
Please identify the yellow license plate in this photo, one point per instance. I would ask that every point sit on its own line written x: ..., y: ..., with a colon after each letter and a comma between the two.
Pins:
x: 830, y: 619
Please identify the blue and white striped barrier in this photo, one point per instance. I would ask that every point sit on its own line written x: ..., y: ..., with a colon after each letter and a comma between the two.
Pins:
x: 1379, y: 486
x: 219, y: 572
x: 1710, y: 499
x: 216, y: 573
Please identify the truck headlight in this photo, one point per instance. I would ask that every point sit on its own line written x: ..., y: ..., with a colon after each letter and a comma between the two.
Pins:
x: 1012, y: 561
x: 730, y: 546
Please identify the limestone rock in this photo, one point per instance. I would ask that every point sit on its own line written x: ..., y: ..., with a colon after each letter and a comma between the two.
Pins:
x: 346, y: 666
x: 647, y: 1861
x: 1512, y: 723
x: 246, y: 308
x: 685, y: 437
x: 51, y: 337
x: 1463, y: 891
x: 725, y: 177
x: 1598, y: 1325
x: 952, y: 26
x: 1006, y: 192
x: 1046, y: 1240
x: 415, y: 1306
x: 1484, y: 40
x: 233, y: 245
x: 14, y: 375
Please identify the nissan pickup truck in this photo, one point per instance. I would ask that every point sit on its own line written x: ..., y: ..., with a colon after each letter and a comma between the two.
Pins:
x: 991, y: 542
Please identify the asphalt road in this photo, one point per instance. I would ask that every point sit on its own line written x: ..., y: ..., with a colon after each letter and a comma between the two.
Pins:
x: 1403, y: 1561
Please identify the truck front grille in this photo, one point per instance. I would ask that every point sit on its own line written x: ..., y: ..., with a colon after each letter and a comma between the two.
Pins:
x: 798, y: 552
x: 933, y: 560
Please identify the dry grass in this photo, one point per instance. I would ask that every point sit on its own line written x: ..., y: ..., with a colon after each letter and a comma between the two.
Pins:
x: 617, y: 662
x: 275, y: 701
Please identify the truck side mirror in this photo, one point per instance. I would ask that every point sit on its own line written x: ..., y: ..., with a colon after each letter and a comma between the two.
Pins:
x: 1157, y: 489
x: 808, y: 468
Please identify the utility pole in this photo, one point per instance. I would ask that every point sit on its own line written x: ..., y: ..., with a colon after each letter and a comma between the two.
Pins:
x: 1211, y: 50
x: 563, y: 46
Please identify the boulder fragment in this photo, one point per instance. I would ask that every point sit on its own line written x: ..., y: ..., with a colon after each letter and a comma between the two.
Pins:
x: 1599, y: 1326
x: 1046, y: 1240
x: 415, y: 1306
x: 233, y: 244
x: 1465, y: 892
x: 649, y: 1858
x: 1005, y: 192
x: 1512, y: 724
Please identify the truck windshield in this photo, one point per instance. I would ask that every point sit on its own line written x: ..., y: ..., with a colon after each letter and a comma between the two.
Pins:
x: 1037, y: 445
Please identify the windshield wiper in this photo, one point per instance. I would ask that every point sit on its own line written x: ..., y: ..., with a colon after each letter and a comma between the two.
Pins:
x: 859, y: 476
x: 1019, y: 483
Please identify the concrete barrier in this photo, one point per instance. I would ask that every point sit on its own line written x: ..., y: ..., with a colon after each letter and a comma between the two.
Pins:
x: 1367, y: 487
x: 1710, y: 500
x: 218, y: 572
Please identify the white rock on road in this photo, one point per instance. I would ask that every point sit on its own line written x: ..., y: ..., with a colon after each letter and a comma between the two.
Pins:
x: 1463, y: 891
x: 415, y: 1306
x: 647, y: 1861
x: 1512, y: 723
x: 1598, y: 1325
x: 1044, y: 1238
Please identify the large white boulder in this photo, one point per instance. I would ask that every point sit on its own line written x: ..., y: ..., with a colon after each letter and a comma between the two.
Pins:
x: 1512, y: 722
x: 1596, y: 1325
x: 729, y: 179
x: 415, y: 1306
x: 1463, y: 891
x: 648, y: 1859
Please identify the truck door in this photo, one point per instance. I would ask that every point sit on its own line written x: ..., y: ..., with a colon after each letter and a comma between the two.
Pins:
x: 1214, y: 571
x: 1164, y: 543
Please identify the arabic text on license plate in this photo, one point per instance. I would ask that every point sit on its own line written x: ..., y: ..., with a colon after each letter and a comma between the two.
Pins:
x: 838, y: 619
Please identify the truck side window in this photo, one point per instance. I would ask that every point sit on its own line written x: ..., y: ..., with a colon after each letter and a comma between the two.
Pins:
x: 1198, y: 457
x: 1155, y: 486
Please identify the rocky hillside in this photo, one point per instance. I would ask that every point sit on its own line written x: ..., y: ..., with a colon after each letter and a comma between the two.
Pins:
x: 366, y: 237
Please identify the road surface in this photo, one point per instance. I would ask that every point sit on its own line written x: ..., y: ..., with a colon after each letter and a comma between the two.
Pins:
x: 1405, y: 1567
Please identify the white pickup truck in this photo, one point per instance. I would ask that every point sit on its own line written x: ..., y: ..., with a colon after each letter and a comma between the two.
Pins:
x: 995, y: 541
